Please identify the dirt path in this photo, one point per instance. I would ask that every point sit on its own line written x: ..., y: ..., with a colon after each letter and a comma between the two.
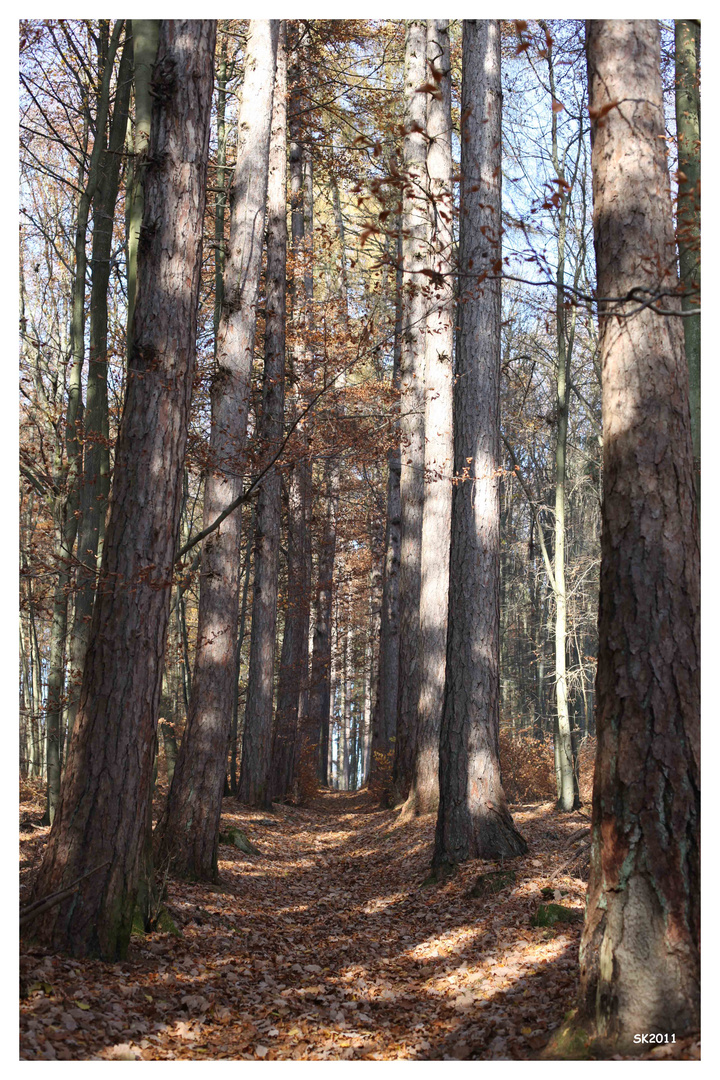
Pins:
x: 325, y: 946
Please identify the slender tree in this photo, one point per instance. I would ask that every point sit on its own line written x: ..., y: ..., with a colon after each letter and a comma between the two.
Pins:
x: 412, y: 403
x: 254, y: 787
x: 438, y: 456
x: 292, y: 675
x: 473, y: 818
x: 639, y: 961
x: 96, y: 453
x: 189, y: 829
x: 101, y: 816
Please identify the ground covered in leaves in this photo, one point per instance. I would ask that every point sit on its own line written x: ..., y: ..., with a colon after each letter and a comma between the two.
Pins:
x: 327, y: 945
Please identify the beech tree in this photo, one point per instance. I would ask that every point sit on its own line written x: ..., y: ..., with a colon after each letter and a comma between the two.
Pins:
x: 473, y: 819
x: 101, y: 816
x: 639, y: 960
x: 188, y: 833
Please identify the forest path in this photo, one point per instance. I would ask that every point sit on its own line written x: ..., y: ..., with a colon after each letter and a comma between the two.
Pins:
x: 326, y: 946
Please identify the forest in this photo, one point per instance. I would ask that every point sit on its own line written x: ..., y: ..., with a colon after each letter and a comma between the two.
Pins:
x: 359, y: 616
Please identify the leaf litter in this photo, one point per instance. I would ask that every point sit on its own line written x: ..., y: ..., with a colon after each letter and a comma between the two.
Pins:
x: 326, y: 946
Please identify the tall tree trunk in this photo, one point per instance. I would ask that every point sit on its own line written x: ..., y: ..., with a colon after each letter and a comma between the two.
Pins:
x: 411, y: 398
x: 188, y: 832
x: 639, y: 954
x: 567, y: 788
x: 319, y: 695
x: 255, y: 787
x: 473, y: 819
x: 67, y: 474
x: 221, y: 179
x: 101, y: 816
x: 145, y: 45
x: 438, y: 461
x: 294, y: 653
x: 96, y: 451
x: 687, y: 117
x: 385, y: 713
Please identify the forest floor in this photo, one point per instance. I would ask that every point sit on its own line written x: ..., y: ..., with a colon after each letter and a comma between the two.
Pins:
x: 327, y: 946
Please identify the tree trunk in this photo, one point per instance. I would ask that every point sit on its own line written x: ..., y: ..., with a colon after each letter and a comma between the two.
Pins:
x: 385, y: 713
x: 255, y: 787
x: 294, y: 653
x: 411, y: 399
x: 145, y: 46
x: 639, y: 962
x: 188, y: 832
x: 687, y: 116
x: 438, y: 461
x: 96, y: 451
x: 105, y: 794
x: 473, y: 819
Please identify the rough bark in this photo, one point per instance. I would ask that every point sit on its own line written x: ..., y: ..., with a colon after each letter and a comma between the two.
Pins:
x: 438, y: 459
x: 145, y: 46
x: 105, y: 793
x: 254, y: 787
x: 96, y: 450
x: 639, y: 965
x: 385, y: 711
x: 411, y: 398
x: 188, y: 832
x: 292, y: 677
x: 687, y: 117
x: 473, y: 819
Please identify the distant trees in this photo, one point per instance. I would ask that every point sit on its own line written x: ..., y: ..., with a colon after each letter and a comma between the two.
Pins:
x: 639, y: 961
x: 101, y: 816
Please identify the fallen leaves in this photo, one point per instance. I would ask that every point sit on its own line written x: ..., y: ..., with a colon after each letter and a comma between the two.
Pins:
x: 338, y: 957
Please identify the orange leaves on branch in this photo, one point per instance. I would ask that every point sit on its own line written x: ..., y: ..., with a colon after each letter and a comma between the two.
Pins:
x: 557, y: 106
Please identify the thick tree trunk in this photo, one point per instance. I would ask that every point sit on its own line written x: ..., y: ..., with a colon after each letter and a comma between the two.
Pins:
x: 687, y: 117
x: 255, y: 787
x: 105, y: 794
x: 438, y: 461
x: 473, y: 819
x: 188, y: 832
x: 412, y: 403
x: 639, y: 963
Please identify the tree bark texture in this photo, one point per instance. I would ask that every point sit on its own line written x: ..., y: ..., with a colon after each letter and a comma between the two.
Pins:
x: 412, y: 403
x: 104, y: 797
x: 438, y: 459
x: 188, y: 832
x: 145, y: 46
x: 292, y: 676
x: 96, y: 451
x: 385, y: 710
x: 254, y: 785
x: 687, y: 117
x: 473, y: 819
x: 639, y: 966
